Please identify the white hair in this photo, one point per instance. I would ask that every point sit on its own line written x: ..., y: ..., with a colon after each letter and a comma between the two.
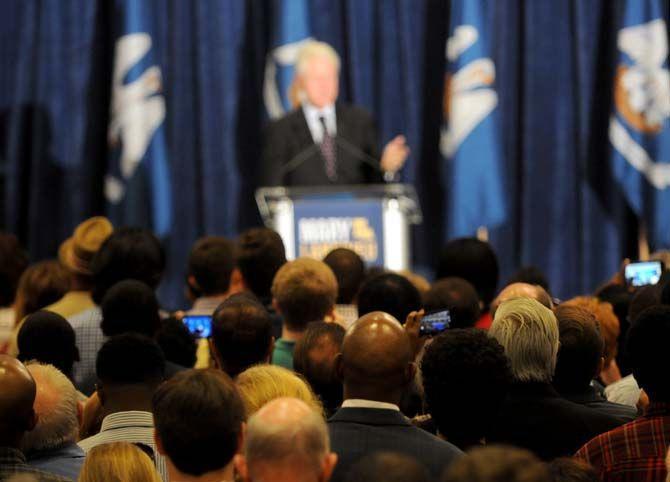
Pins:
x: 303, y: 441
x: 311, y: 49
x: 56, y: 408
x: 528, y: 331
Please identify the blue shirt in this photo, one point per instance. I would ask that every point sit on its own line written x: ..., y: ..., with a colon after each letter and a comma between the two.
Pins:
x: 65, y: 461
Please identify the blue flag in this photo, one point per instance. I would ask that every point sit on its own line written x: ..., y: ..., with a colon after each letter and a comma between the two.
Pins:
x: 640, y: 123
x: 470, y: 140
x: 137, y: 185
x: 290, y: 31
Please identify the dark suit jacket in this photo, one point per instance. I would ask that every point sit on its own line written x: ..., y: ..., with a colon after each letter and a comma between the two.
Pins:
x: 356, y: 432
x: 535, y: 417
x: 592, y: 399
x: 289, y: 137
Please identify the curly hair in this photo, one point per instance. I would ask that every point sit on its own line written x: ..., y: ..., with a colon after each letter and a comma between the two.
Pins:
x: 465, y: 377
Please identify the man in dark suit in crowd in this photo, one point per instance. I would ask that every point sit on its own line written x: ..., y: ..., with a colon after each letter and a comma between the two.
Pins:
x: 321, y: 142
x: 534, y: 416
x: 376, y: 365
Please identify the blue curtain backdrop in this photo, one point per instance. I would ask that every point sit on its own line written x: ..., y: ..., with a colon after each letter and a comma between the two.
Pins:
x: 554, y: 63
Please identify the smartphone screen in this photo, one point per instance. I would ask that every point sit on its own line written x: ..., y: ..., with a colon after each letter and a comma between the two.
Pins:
x: 434, y: 323
x: 199, y: 325
x: 643, y: 273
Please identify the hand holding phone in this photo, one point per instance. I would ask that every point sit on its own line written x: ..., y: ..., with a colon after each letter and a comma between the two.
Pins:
x: 643, y: 273
x: 435, y: 323
x: 199, y: 325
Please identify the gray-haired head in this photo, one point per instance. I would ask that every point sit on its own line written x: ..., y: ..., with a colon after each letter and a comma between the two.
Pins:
x: 528, y: 331
x: 56, y: 409
x: 286, y: 435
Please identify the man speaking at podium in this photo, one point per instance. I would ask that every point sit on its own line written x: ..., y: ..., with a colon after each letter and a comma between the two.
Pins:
x: 321, y: 142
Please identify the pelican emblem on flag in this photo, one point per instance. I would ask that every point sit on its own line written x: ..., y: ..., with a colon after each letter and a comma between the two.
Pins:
x: 642, y: 98
x: 469, y: 96
x: 136, y: 110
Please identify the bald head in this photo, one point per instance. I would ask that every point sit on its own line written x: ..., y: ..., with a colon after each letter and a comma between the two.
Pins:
x: 522, y: 290
x: 286, y: 440
x: 376, y: 359
x: 16, y: 401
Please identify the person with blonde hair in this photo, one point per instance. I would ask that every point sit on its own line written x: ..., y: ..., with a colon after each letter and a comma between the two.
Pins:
x: 321, y: 142
x: 118, y: 462
x: 262, y: 383
x: 303, y: 290
x: 286, y: 440
x: 534, y: 416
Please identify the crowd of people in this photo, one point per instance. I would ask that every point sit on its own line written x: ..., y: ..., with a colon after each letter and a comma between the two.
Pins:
x: 318, y: 370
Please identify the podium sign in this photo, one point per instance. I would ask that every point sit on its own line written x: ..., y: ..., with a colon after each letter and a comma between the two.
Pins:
x: 373, y: 221
x: 322, y: 225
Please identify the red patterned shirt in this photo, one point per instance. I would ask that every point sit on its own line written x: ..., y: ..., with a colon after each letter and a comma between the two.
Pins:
x: 633, y: 452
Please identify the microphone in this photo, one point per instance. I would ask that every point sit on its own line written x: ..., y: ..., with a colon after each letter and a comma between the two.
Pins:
x: 298, y: 159
x: 366, y: 158
x: 359, y: 153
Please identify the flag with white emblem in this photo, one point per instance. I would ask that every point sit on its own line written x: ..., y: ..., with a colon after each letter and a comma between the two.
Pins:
x: 137, y: 184
x: 290, y: 31
x: 470, y: 140
x: 639, y: 128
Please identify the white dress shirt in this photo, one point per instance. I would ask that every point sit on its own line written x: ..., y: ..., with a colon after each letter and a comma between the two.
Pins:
x: 360, y: 403
x: 312, y: 115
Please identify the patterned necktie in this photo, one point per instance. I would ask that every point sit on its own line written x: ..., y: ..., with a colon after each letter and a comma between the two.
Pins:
x: 328, y: 151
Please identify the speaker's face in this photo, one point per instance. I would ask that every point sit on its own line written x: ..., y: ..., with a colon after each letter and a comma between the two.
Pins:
x: 319, y: 81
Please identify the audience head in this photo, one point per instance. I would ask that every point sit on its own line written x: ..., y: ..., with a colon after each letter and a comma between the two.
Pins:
x: 568, y: 469
x: 48, y: 338
x: 388, y: 467
x: 179, y: 345
x: 580, y: 356
x: 260, y: 254
x: 314, y: 358
x: 497, y: 463
x: 56, y: 407
x: 456, y: 295
x: 129, y: 253
x: 130, y: 306
x: 304, y: 290
x: 17, y: 397
x: 608, y: 323
x: 466, y: 376
x: 129, y: 367
x: 376, y: 362
x: 391, y: 293
x: 40, y: 285
x: 210, y: 265
x: 118, y: 461
x: 620, y: 298
x: 665, y: 294
x: 647, y: 350
x: 14, y: 263
x: 472, y: 260
x: 531, y: 275
x: 76, y: 253
x: 241, y: 334
x: 419, y: 281
x: 262, y: 383
x: 528, y: 332
x: 349, y: 269
x: 198, y: 415
x: 522, y: 290
x: 645, y: 297
x: 286, y: 440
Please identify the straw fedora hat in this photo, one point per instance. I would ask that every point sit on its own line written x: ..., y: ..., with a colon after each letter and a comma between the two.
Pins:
x: 77, y: 251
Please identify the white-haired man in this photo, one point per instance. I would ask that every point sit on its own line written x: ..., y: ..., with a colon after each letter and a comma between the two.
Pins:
x: 286, y: 441
x: 52, y: 445
x: 321, y: 142
x: 534, y: 416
